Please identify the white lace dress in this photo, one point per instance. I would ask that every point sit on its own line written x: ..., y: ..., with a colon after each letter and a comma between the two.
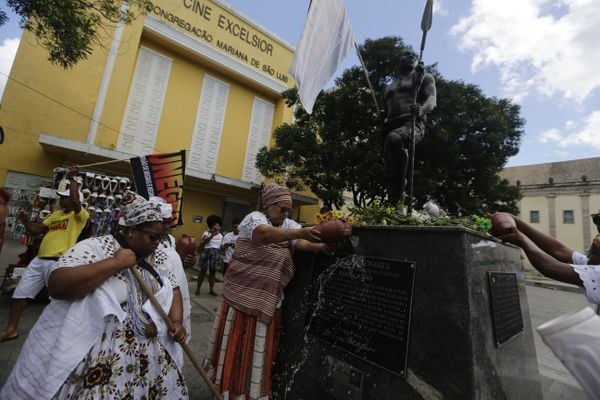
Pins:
x: 99, y: 347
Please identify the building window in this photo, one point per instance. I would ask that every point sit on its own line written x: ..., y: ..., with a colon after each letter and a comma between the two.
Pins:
x: 568, y: 217
x: 534, y: 216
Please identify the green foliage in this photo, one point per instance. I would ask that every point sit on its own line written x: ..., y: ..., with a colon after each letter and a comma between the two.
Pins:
x: 69, y: 28
x: 468, y: 140
x: 381, y: 214
x: 338, y: 148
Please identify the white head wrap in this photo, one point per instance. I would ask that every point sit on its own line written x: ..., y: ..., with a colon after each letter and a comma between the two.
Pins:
x: 136, y: 210
x: 166, y: 209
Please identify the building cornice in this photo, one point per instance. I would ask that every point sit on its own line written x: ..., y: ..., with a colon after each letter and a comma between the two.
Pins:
x: 561, y: 189
x: 189, y: 44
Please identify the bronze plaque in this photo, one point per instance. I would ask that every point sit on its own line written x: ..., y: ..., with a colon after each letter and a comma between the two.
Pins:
x: 507, y: 319
x: 363, y: 306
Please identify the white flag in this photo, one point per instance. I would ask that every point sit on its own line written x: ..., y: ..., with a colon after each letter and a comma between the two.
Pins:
x: 325, y: 40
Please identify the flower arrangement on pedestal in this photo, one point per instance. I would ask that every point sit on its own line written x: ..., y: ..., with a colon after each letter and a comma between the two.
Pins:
x: 380, y: 214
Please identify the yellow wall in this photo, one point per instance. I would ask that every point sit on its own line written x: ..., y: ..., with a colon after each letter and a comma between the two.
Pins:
x: 307, y: 213
x: 538, y: 203
x: 198, y: 203
x: 42, y: 97
x: 118, y: 90
x: 570, y: 235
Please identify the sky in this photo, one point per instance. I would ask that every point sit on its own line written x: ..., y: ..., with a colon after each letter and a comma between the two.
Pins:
x: 541, y: 54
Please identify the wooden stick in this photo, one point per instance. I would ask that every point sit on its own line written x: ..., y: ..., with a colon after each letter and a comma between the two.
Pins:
x: 368, y: 80
x: 104, y: 162
x: 170, y: 325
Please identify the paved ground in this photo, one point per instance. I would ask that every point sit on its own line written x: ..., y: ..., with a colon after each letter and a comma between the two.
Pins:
x: 546, y: 299
x: 544, y: 305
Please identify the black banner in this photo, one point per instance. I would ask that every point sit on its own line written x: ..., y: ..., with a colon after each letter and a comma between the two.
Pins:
x: 161, y: 175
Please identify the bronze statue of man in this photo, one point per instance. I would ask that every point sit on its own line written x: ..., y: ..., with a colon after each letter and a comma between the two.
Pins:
x: 413, y: 82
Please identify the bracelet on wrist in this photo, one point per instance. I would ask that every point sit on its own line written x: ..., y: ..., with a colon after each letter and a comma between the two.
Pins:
x: 285, y: 235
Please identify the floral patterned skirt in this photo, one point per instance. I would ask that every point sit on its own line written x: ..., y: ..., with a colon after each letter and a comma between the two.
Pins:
x: 122, y: 365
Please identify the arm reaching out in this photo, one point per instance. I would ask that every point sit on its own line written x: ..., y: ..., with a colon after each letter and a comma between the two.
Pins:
x: 542, y: 261
x: 270, y: 234
x: 545, y: 242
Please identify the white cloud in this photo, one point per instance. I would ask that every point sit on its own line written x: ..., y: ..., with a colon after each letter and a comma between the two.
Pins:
x: 589, y: 135
x: 545, y: 46
x: 439, y: 9
x: 550, y: 135
x: 570, y: 125
x: 8, y: 50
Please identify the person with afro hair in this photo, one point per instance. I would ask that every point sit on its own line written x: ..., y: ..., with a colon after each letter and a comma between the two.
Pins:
x: 210, y: 253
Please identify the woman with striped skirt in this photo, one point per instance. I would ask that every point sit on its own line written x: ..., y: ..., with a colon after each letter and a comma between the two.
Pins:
x: 246, y: 329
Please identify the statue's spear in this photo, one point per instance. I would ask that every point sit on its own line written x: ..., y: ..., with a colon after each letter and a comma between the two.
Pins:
x: 425, y: 26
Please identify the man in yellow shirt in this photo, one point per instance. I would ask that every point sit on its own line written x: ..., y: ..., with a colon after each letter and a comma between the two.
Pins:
x: 61, y: 230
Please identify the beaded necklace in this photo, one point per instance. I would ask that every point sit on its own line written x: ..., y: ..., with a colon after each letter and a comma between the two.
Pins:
x: 142, y: 324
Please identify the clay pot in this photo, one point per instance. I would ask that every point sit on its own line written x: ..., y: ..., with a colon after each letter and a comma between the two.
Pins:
x: 502, y: 224
x: 185, y: 246
x: 334, y: 230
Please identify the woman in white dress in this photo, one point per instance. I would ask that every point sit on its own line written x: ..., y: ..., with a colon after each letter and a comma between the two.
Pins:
x: 100, y: 337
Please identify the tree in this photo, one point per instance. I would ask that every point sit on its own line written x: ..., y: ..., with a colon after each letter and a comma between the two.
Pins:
x: 469, y: 138
x: 69, y: 28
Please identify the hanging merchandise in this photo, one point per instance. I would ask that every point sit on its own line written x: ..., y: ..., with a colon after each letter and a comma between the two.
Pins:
x: 88, y: 181
x: 123, y: 185
x: 26, y: 194
x: 113, y: 185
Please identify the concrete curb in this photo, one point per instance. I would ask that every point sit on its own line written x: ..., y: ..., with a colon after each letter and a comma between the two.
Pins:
x: 555, y: 285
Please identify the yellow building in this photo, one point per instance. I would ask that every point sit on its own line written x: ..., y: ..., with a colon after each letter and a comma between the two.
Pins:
x: 559, y: 197
x: 192, y: 74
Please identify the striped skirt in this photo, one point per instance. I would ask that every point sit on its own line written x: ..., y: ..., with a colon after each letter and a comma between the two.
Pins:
x: 241, y: 354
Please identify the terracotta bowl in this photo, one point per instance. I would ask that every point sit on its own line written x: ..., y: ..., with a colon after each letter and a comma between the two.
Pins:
x: 185, y: 246
x: 502, y: 224
x: 334, y: 230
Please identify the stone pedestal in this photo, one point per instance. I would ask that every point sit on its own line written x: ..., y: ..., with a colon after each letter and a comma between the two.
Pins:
x: 453, y: 320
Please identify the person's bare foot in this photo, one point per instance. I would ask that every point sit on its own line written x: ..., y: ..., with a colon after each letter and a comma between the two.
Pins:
x: 7, y: 335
